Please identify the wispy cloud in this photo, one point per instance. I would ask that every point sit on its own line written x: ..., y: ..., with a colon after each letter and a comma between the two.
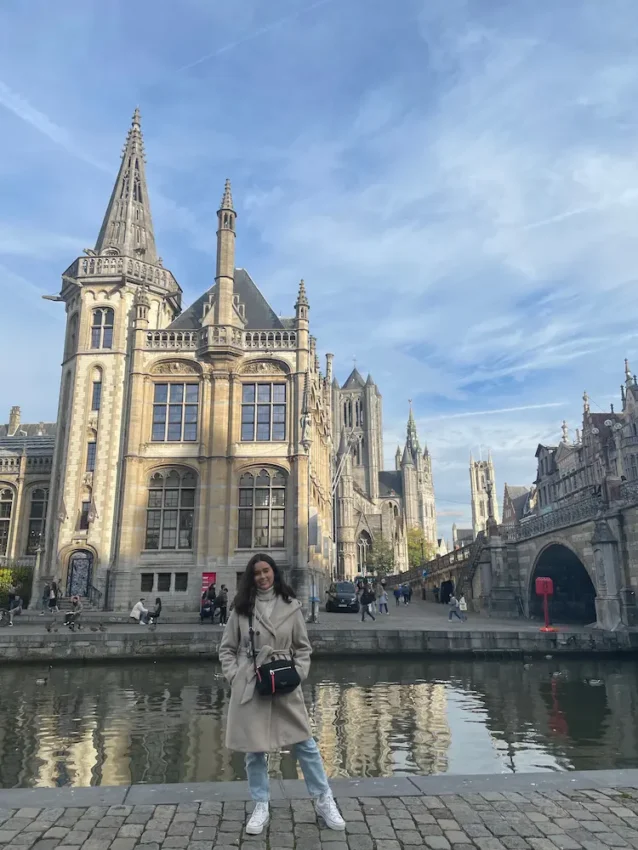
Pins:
x: 494, y: 411
x: 463, y: 209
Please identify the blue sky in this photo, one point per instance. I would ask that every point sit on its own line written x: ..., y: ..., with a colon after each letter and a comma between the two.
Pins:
x: 457, y: 182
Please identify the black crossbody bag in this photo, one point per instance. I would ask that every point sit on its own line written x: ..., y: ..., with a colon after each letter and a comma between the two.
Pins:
x: 276, y: 677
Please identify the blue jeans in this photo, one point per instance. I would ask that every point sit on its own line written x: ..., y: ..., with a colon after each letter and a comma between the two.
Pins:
x: 309, y: 758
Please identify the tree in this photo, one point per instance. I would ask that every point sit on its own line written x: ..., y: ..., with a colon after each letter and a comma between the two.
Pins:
x: 420, y: 549
x: 381, y: 557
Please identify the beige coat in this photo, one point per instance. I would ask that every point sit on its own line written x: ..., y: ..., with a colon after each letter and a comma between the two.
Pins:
x: 258, y: 724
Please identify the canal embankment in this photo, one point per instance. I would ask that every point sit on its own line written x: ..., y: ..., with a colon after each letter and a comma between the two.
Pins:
x: 34, y: 643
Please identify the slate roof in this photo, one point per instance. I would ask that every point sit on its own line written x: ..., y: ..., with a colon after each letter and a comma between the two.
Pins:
x: 355, y: 381
x: 24, y: 430
x: 259, y: 314
x: 390, y: 483
x: 519, y: 497
x: 464, y: 535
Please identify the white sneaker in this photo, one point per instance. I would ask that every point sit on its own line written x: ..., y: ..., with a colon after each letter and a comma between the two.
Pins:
x: 326, y: 807
x: 258, y: 820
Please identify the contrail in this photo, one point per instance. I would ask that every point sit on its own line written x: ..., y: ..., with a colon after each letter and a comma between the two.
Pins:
x: 255, y: 34
x: 19, y: 106
x: 498, y: 410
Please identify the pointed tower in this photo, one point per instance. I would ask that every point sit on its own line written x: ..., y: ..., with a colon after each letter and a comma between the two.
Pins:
x: 114, y: 296
x: 357, y: 407
x: 428, y: 502
x: 127, y: 228
x: 225, y: 271
x: 397, y: 458
x: 483, y: 491
x: 345, y: 512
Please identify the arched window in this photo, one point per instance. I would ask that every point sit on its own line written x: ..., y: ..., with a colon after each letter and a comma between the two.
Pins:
x: 171, y: 509
x: 72, y: 336
x: 6, y: 509
x: 37, y: 518
x: 102, y: 328
x: 262, y: 509
x: 96, y: 394
x: 364, y: 544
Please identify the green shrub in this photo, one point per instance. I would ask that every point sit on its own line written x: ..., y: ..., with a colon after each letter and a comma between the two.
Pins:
x: 20, y: 577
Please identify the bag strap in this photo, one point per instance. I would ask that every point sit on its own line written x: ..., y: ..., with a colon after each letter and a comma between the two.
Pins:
x: 251, y: 634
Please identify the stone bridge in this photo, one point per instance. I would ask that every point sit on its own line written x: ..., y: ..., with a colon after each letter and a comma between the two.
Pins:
x: 589, y: 548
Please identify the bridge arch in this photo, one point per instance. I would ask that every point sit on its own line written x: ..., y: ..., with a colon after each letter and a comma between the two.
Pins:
x: 574, y: 591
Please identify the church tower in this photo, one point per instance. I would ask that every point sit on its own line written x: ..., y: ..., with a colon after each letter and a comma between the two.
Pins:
x: 118, y: 289
x: 358, y: 410
x: 418, y: 485
x: 483, y: 489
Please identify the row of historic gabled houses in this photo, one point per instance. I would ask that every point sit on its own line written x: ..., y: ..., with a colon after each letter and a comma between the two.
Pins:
x: 186, y: 440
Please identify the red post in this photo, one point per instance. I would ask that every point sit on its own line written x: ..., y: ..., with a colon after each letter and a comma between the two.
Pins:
x: 546, y: 610
x: 545, y: 588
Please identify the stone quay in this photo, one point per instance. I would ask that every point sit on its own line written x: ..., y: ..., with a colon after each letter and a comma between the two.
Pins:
x: 594, y: 810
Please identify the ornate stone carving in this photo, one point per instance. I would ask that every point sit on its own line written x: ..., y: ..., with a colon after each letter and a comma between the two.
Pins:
x: 264, y: 367
x: 174, y: 367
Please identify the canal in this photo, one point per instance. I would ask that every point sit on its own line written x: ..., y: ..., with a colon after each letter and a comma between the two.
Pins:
x: 164, y: 722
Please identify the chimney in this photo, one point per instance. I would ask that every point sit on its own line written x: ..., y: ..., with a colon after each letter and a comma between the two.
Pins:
x: 14, y: 421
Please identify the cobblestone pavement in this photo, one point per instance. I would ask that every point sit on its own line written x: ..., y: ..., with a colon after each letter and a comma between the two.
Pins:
x: 600, y: 819
x: 418, y: 616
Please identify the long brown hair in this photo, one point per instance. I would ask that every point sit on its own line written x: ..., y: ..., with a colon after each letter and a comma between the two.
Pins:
x: 247, y: 590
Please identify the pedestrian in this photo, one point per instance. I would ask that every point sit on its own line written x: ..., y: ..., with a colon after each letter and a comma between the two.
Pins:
x: 463, y: 607
x: 44, y: 602
x: 405, y: 593
x: 397, y: 595
x: 383, y: 602
x: 258, y: 723
x: 139, y: 613
x: 71, y: 618
x: 454, y: 609
x: 53, y: 598
x: 156, y: 613
x: 15, y: 606
x: 410, y: 592
x: 222, y: 605
x: 366, y: 600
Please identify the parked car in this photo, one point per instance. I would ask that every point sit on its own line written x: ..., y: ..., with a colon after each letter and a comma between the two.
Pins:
x: 342, y: 596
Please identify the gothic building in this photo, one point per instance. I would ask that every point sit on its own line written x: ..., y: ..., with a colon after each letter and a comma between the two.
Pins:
x: 186, y: 441
x: 483, y: 490
x: 372, y: 503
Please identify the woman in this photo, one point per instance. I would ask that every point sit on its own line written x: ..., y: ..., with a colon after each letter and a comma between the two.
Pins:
x: 366, y: 600
x: 261, y: 724
x: 153, y: 616
x: 53, y: 597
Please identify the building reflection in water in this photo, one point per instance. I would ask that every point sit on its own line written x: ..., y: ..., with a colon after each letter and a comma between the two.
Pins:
x: 152, y: 723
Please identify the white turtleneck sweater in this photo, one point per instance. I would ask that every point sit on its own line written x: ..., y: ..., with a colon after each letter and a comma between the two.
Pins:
x: 265, y: 602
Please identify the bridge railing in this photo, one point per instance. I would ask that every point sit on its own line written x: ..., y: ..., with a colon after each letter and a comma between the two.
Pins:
x: 441, y: 564
x: 578, y: 511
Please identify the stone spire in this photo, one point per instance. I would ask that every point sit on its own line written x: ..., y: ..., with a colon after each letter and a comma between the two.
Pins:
x: 127, y: 225
x: 412, y: 442
x: 585, y: 402
x: 565, y: 432
x: 225, y: 313
x: 628, y: 376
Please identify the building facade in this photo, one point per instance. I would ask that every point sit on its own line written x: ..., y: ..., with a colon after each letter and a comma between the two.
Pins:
x: 26, y: 456
x: 483, y: 493
x: 186, y: 441
x: 372, y: 503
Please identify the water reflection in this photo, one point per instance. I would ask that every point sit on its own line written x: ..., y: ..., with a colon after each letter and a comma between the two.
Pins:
x: 164, y: 722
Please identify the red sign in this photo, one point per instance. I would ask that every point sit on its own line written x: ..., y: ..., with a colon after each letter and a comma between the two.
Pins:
x: 544, y: 587
x: 207, y: 580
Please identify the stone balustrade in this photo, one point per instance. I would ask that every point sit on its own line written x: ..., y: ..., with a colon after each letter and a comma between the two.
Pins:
x: 583, y: 509
x: 172, y: 340
x: 270, y: 339
x: 215, y: 335
x: 123, y: 266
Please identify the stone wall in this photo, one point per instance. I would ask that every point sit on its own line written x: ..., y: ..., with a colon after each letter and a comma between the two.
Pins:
x: 191, y: 644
